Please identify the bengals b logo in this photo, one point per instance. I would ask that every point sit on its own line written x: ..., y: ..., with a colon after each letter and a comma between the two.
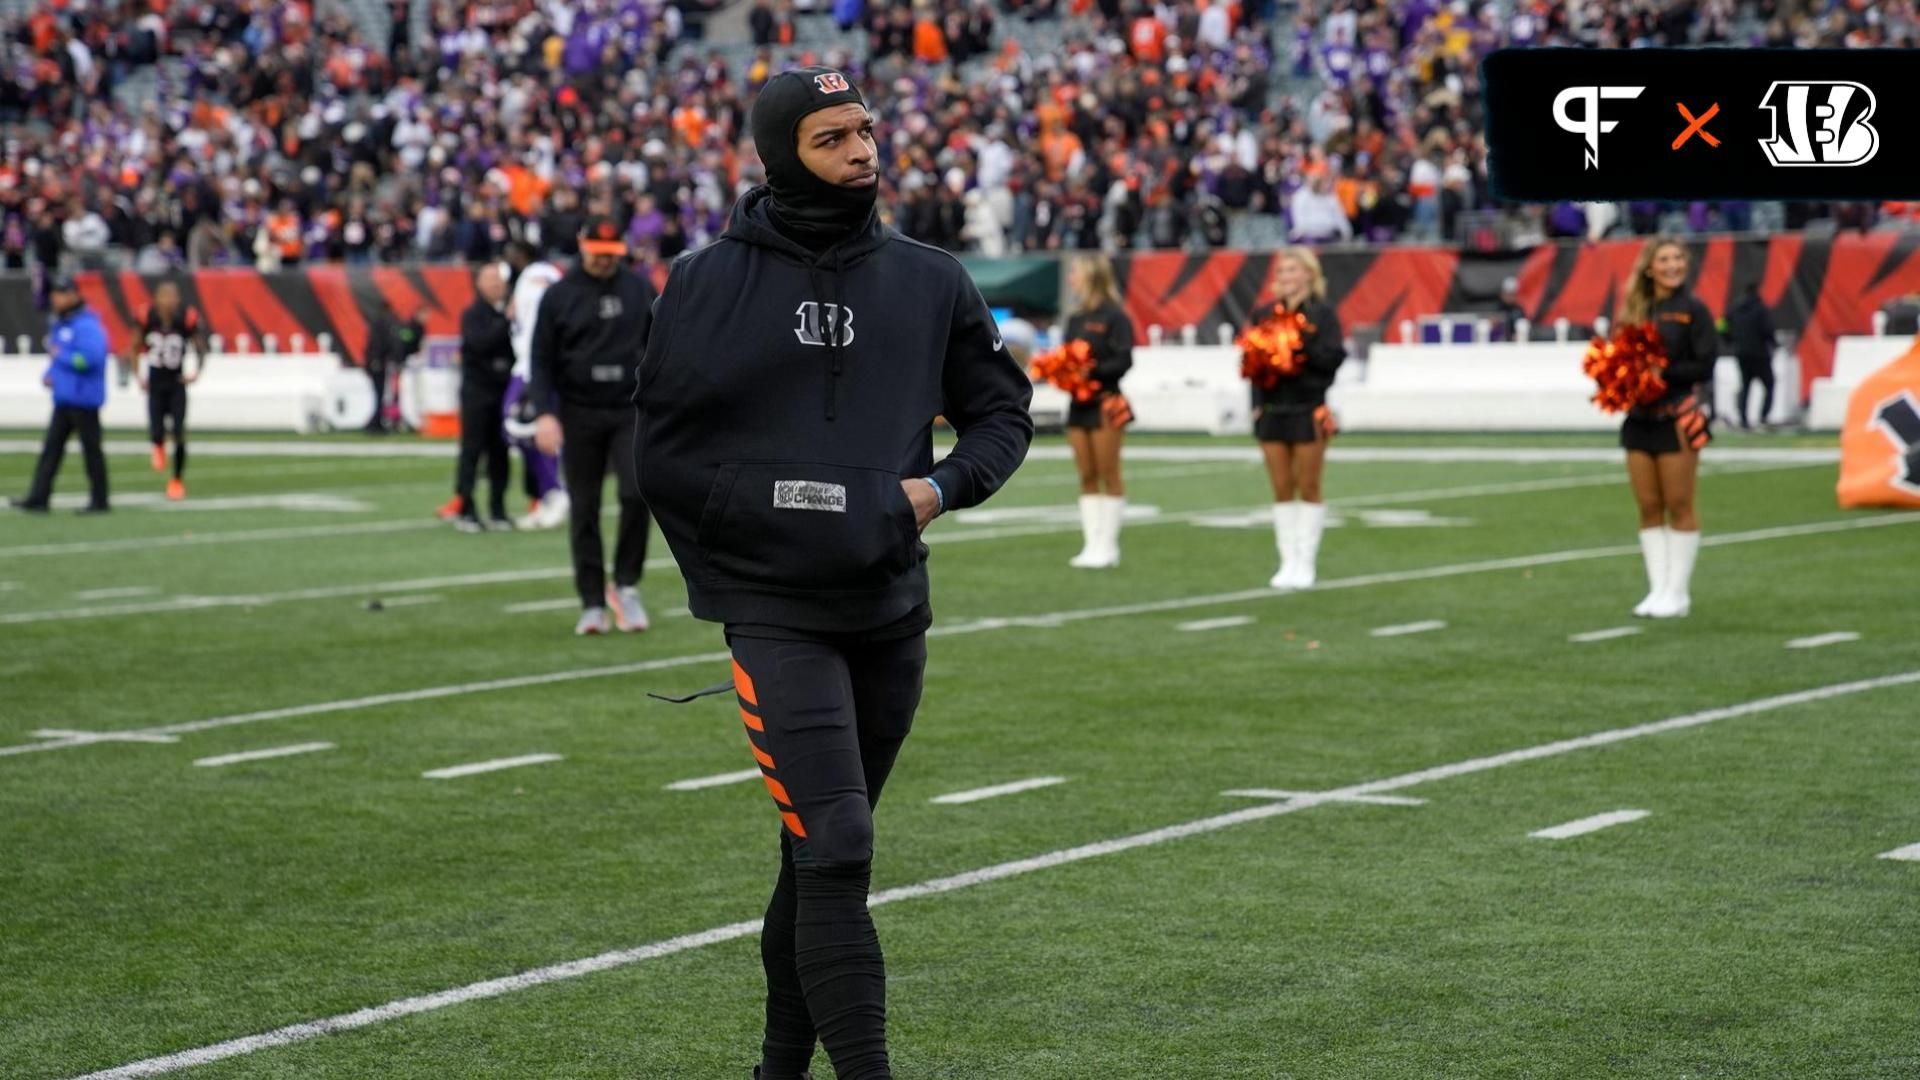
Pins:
x: 831, y: 83
x: 1820, y: 123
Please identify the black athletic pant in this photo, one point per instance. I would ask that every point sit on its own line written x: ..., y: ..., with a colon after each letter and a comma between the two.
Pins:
x: 596, y: 441
x: 1756, y: 369
x: 825, y: 719
x: 481, y: 433
x: 167, y: 400
x: 382, y: 391
x: 66, y: 421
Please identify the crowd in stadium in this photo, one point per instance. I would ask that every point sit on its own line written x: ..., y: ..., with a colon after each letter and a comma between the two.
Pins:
x: 275, y: 137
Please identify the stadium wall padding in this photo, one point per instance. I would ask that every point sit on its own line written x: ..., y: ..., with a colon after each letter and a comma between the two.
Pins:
x: 1821, y: 287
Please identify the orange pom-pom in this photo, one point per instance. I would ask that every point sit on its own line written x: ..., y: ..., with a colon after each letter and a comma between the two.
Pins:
x: 1627, y: 371
x: 1070, y: 368
x: 1273, y: 348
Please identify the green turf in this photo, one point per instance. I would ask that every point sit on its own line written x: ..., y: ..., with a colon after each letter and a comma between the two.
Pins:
x: 1744, y: 929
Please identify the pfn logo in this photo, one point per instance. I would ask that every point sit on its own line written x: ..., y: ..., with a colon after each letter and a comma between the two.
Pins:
x: 1589, y: 125
x: 1825, y: 124
x: 831, y: 83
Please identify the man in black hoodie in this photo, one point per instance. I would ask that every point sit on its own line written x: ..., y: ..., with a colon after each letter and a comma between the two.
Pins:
x: 786, y: 405
x: 587, y: 340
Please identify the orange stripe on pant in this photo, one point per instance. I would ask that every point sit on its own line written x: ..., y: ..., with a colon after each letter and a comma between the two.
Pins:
x: 743, y: 686
x: 778, y: 790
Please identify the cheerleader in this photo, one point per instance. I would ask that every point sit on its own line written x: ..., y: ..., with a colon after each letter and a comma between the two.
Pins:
x: 1291, y: 419
x: 1663, y: 440
x: 1095, y: 428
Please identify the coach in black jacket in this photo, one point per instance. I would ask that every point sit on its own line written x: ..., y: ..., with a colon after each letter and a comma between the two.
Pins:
x: 786, y: 410
x: 587, y: 340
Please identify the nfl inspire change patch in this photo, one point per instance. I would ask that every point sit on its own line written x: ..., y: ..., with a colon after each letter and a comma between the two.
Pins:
x: 809, y: 495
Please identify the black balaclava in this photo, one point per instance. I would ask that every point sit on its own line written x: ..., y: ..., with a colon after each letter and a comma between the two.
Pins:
x: 811, y: 211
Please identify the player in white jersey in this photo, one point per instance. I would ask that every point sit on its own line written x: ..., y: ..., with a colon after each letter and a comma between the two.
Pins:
x: 530, y: 281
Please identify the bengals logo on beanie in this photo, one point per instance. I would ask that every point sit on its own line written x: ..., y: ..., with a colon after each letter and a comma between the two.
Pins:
x: 831, y: 82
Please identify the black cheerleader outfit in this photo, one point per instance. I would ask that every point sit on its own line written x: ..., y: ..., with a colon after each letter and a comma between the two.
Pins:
x: 1295, y: 410
x: 1109, y: 336
x: 1677, y: 421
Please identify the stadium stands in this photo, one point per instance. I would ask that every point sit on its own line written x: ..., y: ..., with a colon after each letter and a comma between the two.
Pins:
x: 227, y: 132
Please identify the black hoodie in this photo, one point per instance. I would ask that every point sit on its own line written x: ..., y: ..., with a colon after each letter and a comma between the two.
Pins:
x: 771, y: 451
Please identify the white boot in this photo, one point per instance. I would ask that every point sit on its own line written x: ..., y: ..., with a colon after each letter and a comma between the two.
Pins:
x: 1284, y: 527
x: 1653, y: 551
x: 1313, y: 521
x: 1113, y: 512
x: 1091, y: 516
x: 1682, y: 549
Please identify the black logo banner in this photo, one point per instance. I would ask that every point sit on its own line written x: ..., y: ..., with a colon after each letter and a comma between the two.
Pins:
x: 1673, y: 124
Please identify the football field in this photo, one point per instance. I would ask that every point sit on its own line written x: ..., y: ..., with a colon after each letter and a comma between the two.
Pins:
x: 298, y: 782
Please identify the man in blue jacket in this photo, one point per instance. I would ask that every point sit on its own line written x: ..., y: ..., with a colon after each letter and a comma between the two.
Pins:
x: 77, y: 374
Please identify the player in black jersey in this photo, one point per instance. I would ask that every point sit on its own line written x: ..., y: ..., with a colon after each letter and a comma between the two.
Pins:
x: 160, y: 357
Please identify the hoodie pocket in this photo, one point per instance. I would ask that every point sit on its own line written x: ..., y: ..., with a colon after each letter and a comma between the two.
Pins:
x: 808, y: 526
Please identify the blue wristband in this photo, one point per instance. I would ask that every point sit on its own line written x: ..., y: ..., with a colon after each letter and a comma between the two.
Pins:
x: 937, y: 493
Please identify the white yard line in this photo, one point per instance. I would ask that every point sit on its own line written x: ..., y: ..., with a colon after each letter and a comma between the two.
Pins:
x: 433, y: 692
x: 977, y: 794
x: 68, y: 735
x: 1589, y: 824
x: 608, y: 961
x: 1275, y: 793
x: 204, y: 449
x: 326, y: 592
x: 534, y: 607
x: 1910, y: 853
x: 1228, y: 451
x: 237, y: 536
x: 1592, y: 636
x: 531, y: 606
x: 1053, y: 619
x: 263, y: 755
x: 1423, y: 455
x: 1838, y: 637
x: 454, y: 772
x: 1404, y: 629
x: 125, y: 592
x: 702, y: 783
x: 1395, y: 577
x: 1225, y: 623
x: 411, y: 601
x: 417, y: 524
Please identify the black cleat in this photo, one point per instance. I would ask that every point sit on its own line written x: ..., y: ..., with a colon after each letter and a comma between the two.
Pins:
x: 803, y: 1076
x: 26, y: 507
